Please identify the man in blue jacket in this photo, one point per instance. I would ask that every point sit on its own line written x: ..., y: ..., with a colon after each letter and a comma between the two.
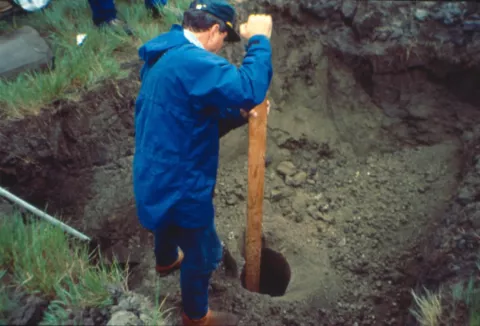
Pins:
x: 189, y: 98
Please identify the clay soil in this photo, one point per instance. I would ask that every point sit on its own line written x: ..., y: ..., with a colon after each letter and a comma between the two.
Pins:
x: 363, y: 172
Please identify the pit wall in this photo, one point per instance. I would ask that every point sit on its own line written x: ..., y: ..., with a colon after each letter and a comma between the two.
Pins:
x: 74, y: 152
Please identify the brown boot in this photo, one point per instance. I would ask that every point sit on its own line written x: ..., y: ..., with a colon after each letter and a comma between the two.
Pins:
x: 167, y: 270
x: 212, y: 318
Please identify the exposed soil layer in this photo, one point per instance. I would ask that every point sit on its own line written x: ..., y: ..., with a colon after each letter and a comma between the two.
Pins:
x: 70, y: 154
x: 371, y: 183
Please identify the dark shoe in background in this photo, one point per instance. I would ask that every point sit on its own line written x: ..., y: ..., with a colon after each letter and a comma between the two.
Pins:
x: 155, y: 12
x: 119, y: 24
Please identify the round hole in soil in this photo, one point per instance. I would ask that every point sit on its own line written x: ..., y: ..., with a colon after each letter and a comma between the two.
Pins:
x: 275, y: 273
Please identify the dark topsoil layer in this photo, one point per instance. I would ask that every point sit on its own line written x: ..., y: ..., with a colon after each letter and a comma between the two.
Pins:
x: 361, y: 89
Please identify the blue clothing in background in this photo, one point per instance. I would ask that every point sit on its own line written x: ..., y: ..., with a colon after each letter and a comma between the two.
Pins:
x: 104, y: 11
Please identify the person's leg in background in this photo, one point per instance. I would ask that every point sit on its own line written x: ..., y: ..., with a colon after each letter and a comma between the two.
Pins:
x: 154, y: 4
x: 104, y: 13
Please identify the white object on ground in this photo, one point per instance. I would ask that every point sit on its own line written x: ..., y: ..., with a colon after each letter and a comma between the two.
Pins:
x: 81, y: 38
x: 32, y: 5
x: 43, y: 215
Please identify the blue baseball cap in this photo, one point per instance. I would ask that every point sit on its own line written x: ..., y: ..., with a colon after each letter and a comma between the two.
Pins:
x: 223, y: 11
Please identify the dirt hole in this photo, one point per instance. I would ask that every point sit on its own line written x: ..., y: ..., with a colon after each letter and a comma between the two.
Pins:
x: 275, y: 273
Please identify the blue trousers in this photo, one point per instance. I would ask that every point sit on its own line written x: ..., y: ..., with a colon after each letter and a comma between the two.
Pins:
x: 203, y: 252
x: 104, y: 11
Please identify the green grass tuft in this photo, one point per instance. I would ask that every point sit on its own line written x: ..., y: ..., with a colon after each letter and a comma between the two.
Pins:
x: 42, y: 260
x: 431, y: 311
x: 80, y: 68
x: 6, y: 303
x: 469, y: 294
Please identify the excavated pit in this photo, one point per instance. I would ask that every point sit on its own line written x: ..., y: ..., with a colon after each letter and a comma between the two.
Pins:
x: 275, y: 273
x: 365, y: 158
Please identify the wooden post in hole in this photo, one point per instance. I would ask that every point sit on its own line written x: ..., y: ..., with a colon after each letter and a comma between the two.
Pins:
x: 257, y: 139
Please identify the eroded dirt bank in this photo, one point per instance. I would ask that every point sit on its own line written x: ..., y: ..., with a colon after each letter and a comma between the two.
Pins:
x: 372, y: 131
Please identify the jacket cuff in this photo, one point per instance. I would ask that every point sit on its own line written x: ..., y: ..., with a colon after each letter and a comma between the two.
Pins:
x: 258, y: 39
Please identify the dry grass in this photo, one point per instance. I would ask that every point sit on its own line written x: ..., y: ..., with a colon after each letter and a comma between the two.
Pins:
x: 428, y: 308
x: 447, y: 308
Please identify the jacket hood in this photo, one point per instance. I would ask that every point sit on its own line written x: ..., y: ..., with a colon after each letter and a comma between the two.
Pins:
x: 151, y: 51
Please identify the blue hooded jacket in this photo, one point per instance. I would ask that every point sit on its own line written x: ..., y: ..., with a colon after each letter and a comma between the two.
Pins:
x: 187, y: 95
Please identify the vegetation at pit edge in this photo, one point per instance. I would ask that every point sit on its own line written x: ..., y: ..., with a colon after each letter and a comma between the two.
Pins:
x: 444, y: 306
x: 37, y: 258
x: 80, y: 68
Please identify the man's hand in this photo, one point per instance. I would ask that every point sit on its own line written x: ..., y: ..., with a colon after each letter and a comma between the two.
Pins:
x: 257, y: 25
x: 253, y: 113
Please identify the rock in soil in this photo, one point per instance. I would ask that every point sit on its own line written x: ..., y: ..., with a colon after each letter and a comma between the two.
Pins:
x: 30, y: 313
x: 125, y: 318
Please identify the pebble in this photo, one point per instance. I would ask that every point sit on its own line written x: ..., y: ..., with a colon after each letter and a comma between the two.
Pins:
x: 403, y: 219
x: 299, y: 218
x: 348, y: 8
x: 307, y: 156
x: 421, y: 14
x: 296, y: 180
x: 320, y: 228
x: 324, y: 208
x: 475, y: 219
x: 146, y: 319
x: 231, y: 200
x: 327, y: 218
x: 125, y: 318
x: 466, y: 195
x: 114, y: 309
x: 286, y: 168
x: 279, y: 194
x: 314, y: 213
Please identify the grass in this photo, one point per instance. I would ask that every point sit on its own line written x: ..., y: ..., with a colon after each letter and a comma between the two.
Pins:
x: 6, y: 303
x: 80, y: 68
x: 428, y: 310
x: 42, y: 260
x: 431, y: 310
x: 469, y: 294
